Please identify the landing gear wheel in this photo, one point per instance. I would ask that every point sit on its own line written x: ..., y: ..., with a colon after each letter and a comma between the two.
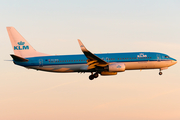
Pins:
x: 91, y: 77
x: 160, y: 73
x: 96, y: 75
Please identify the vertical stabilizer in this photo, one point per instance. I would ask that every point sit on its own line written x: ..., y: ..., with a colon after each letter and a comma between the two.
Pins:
x: 20, y: 46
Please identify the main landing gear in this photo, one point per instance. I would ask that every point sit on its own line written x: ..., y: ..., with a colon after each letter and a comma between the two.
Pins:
x: 92, y: 76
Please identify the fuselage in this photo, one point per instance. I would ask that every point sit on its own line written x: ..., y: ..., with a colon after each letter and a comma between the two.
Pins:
x: 104, y: 64
x: 78, y: 63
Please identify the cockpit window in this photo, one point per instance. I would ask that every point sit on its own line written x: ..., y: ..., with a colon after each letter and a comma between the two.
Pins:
x: 166, y: 56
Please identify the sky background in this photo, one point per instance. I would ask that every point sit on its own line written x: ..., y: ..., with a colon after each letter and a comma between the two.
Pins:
x: 104, y: 26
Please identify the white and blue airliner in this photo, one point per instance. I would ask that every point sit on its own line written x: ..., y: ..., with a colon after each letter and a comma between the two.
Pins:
x: 104, y: 64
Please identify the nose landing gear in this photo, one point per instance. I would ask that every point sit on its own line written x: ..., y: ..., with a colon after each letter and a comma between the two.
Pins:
x: 92, y: 76
x: 160, y: 73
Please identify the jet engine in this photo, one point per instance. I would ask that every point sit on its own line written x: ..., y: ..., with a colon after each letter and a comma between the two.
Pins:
x: 108, y: 73
x: 117, y: 67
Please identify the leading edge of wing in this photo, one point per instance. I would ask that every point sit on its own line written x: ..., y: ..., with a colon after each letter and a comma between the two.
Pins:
x: 90, y: 55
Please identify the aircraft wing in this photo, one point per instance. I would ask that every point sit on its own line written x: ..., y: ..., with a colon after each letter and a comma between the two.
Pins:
x: 93, y: 60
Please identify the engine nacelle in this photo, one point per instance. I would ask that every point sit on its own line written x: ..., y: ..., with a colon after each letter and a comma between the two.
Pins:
x: 108, y: 73
x: 117, y: 67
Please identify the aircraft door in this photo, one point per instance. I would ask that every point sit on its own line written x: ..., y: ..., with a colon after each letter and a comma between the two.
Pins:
x: 40, y: 62
x: 158, y: 57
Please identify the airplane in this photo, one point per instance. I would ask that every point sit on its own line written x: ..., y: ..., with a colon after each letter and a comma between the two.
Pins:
x: 96, y: 64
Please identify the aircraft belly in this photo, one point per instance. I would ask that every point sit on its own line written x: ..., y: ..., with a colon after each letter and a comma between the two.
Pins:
x: 62, y: 68
x: 147, y: 65
x: 162, y: 64
x: 84, y: 67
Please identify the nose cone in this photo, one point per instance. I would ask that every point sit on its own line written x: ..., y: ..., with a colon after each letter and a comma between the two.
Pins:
x: 174, y: 61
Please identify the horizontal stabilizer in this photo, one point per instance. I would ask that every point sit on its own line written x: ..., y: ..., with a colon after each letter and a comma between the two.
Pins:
x: 7, y: 60
x: 19, y: 59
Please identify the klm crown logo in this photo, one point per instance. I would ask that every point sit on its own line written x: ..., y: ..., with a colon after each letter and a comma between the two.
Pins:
x: 21, y: 43
x: 118, y: 66
x: 141, y: 55
x: 21, y: 46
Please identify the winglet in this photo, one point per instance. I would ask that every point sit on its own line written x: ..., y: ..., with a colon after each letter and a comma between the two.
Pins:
x: 90, y: 55
x: 83, y: 48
